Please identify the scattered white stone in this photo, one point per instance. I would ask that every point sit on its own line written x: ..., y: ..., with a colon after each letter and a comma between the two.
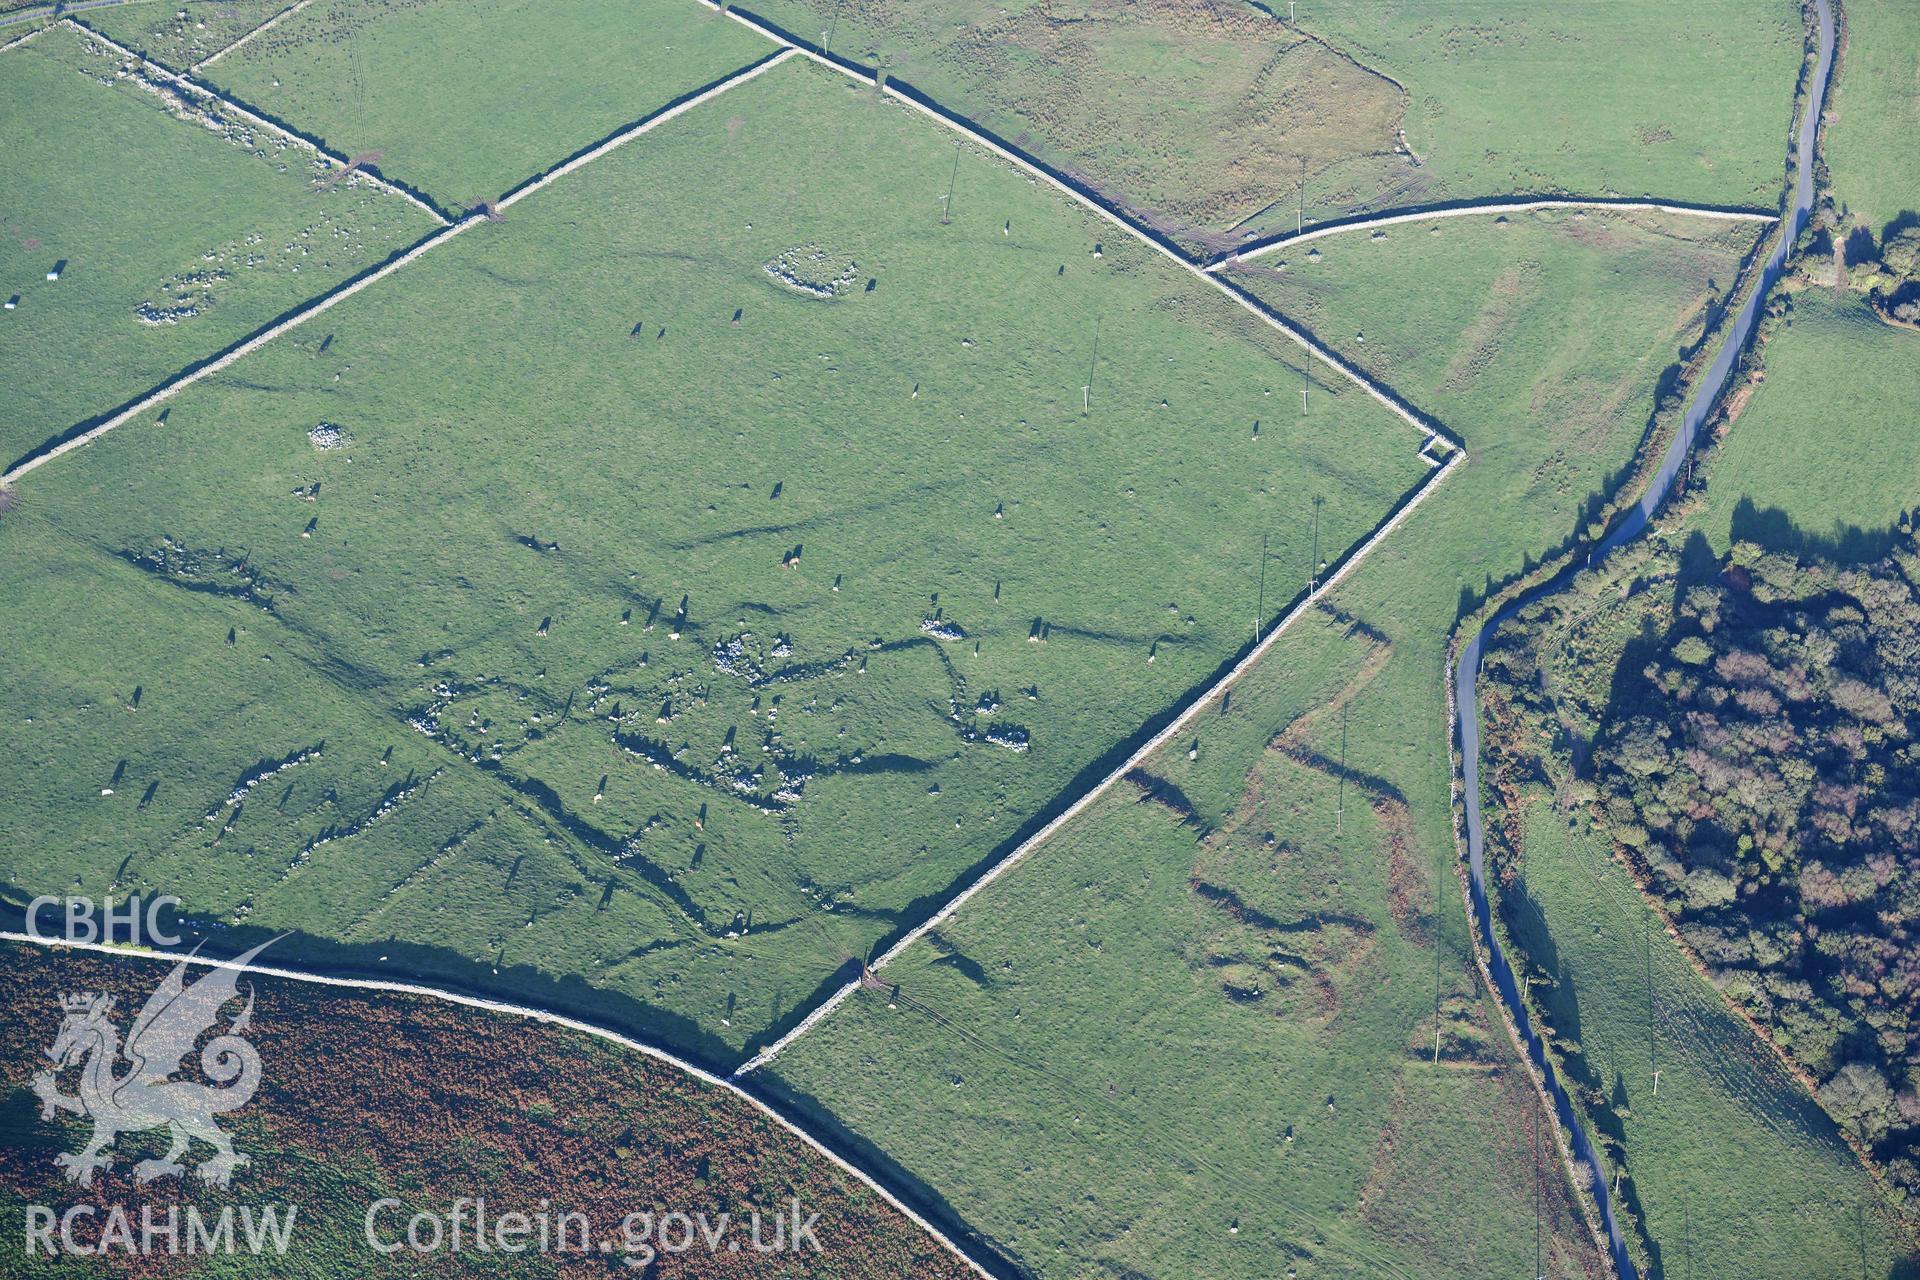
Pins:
x: 329, y: 436
x: 812, y: 271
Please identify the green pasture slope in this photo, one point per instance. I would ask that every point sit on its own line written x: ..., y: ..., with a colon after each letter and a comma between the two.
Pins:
x: 184, y: 738
x: 1597, y: 97
x: 1730, y: 1160
x: 1728, y: 1127
x: 1871, y: 160
x: 213, y: 232
x: 1159, y: 1049
x: 1824, y: 450
x: 1731, y: 1163
x: 1761, y: 1124
x: 1557, y: 324
x: 155, y: 27
x: 1200, y: 117
x: 1568, y: 324
x: 466, y: 99
x: 1195, y: 118
x: 754, y: 603
x: 1816, y: 462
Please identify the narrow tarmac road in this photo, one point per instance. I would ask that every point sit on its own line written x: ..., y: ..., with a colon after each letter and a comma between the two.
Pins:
x: 1705, y: 396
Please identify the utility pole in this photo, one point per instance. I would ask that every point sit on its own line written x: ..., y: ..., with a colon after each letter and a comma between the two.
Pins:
x: 1313, y: 571
x: 1301, y: 229
x: 1436, y: 989
x: 1539, y: 1272
x: 1260, y: 613
x: 1086, y: 392
x: 1653, y: 1061
x: 946, y: 215
x: 1340, y: 805
x: 1686, y: 1237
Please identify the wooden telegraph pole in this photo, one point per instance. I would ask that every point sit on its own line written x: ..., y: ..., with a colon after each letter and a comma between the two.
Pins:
x: 946, y: 215
x: 1260, y: 610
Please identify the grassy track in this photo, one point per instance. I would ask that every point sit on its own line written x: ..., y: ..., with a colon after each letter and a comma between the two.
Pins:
x: 467, y: 99
x: 541, y: 444
x: 208, y: 233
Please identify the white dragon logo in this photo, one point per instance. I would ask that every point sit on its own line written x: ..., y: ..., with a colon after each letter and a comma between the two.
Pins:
x: 142, y: 1098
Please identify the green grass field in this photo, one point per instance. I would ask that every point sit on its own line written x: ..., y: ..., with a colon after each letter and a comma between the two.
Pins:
x: 248, y: 774
x: 1730, y: 1161
x: 750, y: 600
x: 1441, y: 551
x: 1808, y: 465
x: 1196, y: 118
x: 1874, y: 168
x: 467, y: 99
x: 1728, y: 1127
x: 1566, y: 354
x: 1686, y: 102
x: 1761, y: 1207
x: 1157, y: 1050
x: 644, y: 606
x: 174, y: 239
x: 1555, y: 409
x: 1553, y: 325
x: 157, y: 29
x: 1201, y: 118
x: 1820, y: 446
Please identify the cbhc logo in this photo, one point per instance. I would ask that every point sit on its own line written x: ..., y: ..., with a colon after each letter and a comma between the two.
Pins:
x: 134, y: 922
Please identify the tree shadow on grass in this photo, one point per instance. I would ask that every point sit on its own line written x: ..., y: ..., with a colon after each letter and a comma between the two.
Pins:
x: 1905, y: 220
x: 1668, y: 397
x: 1527, y: 923
x: 1844, y: 543
x: 1602, y: 1091
x: 1859, y: 247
